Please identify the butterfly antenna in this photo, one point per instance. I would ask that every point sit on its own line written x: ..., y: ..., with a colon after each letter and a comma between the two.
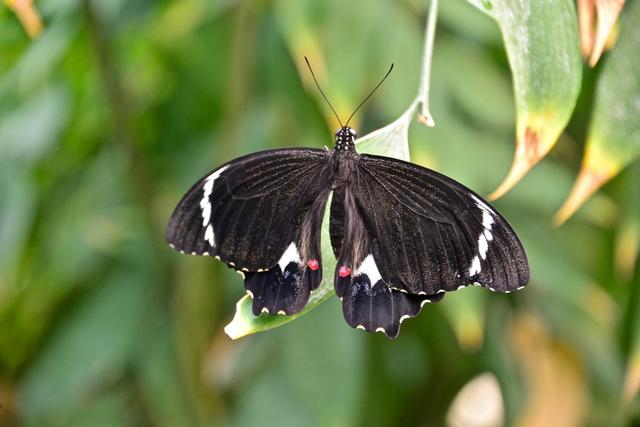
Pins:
x: 369, y: 96
x: 320, y: 89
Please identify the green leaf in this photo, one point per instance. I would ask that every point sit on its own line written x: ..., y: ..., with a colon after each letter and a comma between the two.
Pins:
x: 541, y: 40
x: 391, y: 141
x: 293, y: 390
x: 614, y: 133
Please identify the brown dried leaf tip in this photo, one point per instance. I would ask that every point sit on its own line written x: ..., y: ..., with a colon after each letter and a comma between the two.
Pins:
x: 597, y: 18
x: 589, y: 180
x: 529, y: 151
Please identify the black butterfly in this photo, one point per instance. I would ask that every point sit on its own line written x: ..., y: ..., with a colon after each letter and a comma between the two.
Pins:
x: 403, y: 235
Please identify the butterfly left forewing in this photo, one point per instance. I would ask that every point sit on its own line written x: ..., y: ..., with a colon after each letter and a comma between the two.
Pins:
x: 261, y: 215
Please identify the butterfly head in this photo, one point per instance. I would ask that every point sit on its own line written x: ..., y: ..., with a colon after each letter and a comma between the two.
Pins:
x: 345, y: 138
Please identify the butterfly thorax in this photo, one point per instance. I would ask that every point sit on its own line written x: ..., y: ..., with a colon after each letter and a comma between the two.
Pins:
x: 345, y: 140
x: 344, y: 157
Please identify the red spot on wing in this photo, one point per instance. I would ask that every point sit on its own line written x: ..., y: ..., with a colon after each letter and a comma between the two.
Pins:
x: 313, y: 264
x: 344, y: 271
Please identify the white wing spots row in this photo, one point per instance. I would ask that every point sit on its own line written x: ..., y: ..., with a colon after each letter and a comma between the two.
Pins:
x: 205, y: 205
x: 484, y: 238
x: 369, y: 268
x: 291, y: 254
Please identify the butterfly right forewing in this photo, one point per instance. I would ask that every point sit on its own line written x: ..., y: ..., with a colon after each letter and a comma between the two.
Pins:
x: 436, y: 235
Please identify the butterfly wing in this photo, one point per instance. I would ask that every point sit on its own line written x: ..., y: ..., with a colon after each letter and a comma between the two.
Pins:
x: 261, y: 214
x: 409, y: 233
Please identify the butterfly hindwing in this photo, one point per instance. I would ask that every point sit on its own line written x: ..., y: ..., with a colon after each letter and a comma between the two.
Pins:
x: 261, y: 214
x: 378, y: 308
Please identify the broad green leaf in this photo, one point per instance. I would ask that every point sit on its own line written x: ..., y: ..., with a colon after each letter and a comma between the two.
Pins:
x: 614, y: 133
x: 541, y: 41
x: 289, y: 393
x: 391, y: 141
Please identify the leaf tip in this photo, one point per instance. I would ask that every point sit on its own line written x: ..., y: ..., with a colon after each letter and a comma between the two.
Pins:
x: 607, y: 13
x: 586, y: 18
x: 28, y: 16
x: 426, y: 119
x: 530, y: 148
x: 588, y: 181
x: 239, y: 327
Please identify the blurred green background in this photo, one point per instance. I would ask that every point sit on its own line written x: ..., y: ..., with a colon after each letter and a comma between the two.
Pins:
x: 119, y: 106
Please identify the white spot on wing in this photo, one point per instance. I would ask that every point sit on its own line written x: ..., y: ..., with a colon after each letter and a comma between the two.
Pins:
x: 403, y: 318
x: 209, y: 236
x: 370, y: 269
x: 205, y: 204
x: 290, y: 255
x: 475, y: 266
x: 381, y: 329
x: 482, y: 205
x: 487, y: 219
x: 483, y: 246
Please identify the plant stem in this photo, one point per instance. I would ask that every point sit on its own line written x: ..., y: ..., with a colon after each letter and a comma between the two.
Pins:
x: 425, y: 116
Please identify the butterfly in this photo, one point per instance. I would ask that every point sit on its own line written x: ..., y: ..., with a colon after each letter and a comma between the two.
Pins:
x: 402, y: 234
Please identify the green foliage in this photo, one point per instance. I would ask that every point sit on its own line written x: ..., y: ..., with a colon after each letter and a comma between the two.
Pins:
x: 109, y: 116
x: 541, y: 40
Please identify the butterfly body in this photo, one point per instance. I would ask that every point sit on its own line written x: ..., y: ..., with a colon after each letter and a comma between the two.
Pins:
x: 403, y: 235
